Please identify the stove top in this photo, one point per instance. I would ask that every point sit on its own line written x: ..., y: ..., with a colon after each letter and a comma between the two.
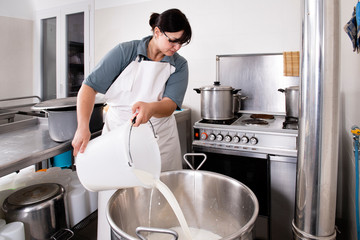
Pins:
x: 248, y: 133
x: 248, y: 122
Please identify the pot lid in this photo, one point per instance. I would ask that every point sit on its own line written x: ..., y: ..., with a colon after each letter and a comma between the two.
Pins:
x: 34, y: 194
x: 62, y: 103
x: 293, y: 88
x: 217, y: 87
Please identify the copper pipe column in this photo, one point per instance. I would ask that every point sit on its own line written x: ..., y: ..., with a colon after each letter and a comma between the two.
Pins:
x: 318, y: 122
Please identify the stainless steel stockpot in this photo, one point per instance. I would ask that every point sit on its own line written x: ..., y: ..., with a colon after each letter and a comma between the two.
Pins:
x: 217, y: 101
x: 291, y: 101
x: 209, y: 201
x: 41, y: 207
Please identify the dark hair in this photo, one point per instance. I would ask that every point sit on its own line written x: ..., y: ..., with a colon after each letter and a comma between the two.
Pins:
x: 172, y: 20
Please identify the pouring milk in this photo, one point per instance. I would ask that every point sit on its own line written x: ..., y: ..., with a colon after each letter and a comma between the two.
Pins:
x: 185, y: 233
x: 130, y: 157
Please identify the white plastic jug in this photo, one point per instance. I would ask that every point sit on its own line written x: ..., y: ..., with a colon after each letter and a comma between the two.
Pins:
x: 109, y: 160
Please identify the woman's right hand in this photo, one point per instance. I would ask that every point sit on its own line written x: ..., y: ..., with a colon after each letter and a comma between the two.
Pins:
x: 84, y: 107
x: 80, y: 140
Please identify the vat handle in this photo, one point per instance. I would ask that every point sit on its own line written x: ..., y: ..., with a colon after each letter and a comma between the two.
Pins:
x: 155, y: 230
x: 195, y: 154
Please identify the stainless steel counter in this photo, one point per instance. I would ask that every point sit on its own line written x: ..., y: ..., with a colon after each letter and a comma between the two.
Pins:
x: 28, y: 143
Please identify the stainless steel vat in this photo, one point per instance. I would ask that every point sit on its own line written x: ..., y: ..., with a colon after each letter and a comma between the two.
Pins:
x: 40, y: 207
x: 209, y: 201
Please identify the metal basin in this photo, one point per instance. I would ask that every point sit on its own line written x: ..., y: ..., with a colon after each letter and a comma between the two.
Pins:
x: 209, y: 201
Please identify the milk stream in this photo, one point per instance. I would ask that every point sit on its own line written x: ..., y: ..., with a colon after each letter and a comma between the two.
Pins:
x: 175, y: 206
x: 185, y: 233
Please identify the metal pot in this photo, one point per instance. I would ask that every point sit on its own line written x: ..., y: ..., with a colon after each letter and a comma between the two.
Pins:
x: 217, y: 101
x: 63, y: 120
x: 291, y: 101
x: 209, y: 201
x: 40, y: 207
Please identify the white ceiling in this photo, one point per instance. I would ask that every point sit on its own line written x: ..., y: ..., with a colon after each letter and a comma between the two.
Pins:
x: 25, y: 9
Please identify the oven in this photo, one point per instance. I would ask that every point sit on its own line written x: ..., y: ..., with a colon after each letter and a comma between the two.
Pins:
x: 261, y: 153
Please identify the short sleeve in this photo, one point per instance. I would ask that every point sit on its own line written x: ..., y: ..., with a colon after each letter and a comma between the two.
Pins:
x: 111, y: 65
x: 177, y: 84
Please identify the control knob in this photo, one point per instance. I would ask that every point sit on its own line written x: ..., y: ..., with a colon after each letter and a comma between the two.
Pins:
x: 236, y: 139
x: 244, y: 139
x: 228, y: 138
x: 219, y: 137
x: 204, y: 136
x: 254, y: 140
x: 212, y: 137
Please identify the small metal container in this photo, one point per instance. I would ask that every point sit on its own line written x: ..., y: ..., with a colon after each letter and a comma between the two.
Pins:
x: 291, y: 101
x: 40, y: 207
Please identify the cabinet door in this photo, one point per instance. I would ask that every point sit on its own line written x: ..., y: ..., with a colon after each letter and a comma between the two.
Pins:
x: 63, y: 51
x: 75, y: 53
x: 283, y: 184
x: 48, y: 58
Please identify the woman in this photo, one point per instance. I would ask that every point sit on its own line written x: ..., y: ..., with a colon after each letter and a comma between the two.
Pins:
x: 144, y: 78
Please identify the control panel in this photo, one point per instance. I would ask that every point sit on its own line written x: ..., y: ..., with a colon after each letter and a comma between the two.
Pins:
x: 226, y: 137
x: 246, y: 140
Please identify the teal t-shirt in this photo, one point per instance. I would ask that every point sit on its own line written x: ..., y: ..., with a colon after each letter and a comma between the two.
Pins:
x: 117, y: 59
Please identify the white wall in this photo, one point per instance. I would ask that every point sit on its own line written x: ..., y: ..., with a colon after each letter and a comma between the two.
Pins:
x: 16, y: 57
x: 349, y: 115
x: 219, y: 27
x: 22, y: 9
x: 16, y: 52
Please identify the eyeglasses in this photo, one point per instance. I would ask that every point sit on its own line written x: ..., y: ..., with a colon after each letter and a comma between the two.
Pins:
x: 173, y: 42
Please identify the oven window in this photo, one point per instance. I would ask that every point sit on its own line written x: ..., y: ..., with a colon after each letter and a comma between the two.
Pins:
x: 253, y: 172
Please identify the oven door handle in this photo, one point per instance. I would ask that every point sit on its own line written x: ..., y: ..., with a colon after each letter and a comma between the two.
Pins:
x: 195, y: 154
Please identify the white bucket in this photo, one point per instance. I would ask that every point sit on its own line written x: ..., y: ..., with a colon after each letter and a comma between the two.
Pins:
x: 108, y: 162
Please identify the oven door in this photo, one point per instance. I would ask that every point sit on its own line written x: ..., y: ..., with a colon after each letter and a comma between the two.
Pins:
x: 252, y: 169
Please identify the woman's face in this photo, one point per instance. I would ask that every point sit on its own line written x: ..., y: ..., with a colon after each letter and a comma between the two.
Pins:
x: 167, y: 41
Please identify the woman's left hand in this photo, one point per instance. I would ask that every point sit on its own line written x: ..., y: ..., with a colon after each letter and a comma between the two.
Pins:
x: 144, y: 111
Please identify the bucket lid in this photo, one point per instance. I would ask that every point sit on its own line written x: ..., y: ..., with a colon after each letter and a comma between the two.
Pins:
x: 68, y: 102
x: 34, y: 194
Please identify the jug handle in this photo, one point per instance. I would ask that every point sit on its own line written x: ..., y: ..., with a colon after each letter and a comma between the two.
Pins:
x: 195, y: 154
x: 130, y: 162
x: 156, y: 230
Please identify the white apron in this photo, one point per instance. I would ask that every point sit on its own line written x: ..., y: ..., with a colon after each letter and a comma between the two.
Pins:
x: 140, y: 81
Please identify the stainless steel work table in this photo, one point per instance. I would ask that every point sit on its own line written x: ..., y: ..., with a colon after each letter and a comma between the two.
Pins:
x: 28, y: 142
